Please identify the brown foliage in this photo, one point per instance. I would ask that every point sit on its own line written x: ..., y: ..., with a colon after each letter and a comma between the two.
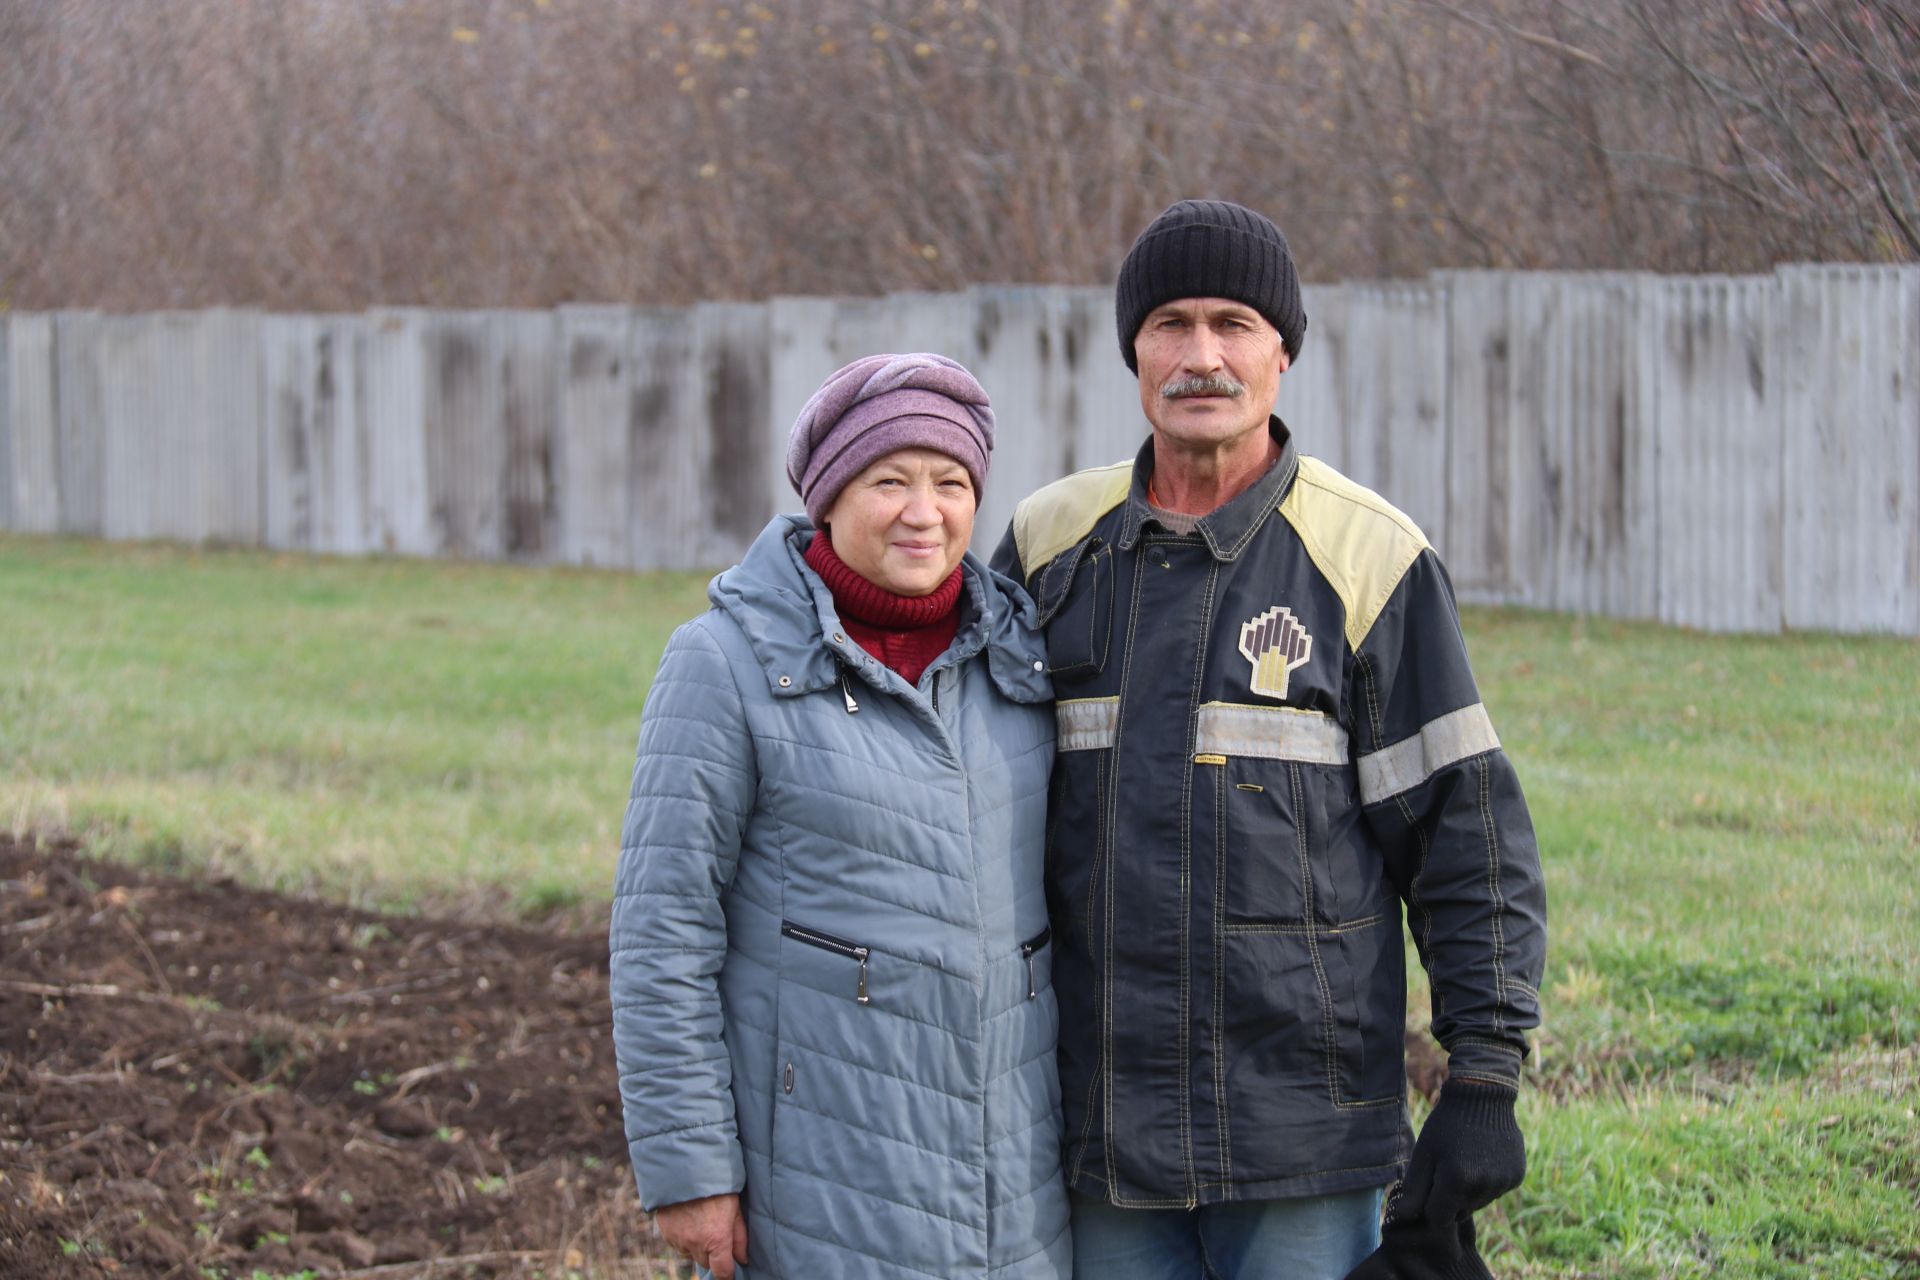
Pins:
x: 335, y: 154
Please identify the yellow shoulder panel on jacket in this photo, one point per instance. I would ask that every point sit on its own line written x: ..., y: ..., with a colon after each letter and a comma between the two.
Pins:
x: 1053, y: 518
x: 1358, y: 540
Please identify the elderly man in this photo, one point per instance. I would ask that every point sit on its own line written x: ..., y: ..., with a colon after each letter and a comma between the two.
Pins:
x: 1270, y: 740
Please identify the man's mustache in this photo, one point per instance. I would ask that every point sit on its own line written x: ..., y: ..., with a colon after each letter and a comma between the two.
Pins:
x: 1203, y: 384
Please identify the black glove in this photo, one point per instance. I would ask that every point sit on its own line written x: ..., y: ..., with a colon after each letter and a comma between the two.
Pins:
x: 1424, y: 1251
x: 1470, y: 1153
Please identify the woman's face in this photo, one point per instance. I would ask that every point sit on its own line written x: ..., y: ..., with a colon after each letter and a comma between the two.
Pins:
x: 903, y: 523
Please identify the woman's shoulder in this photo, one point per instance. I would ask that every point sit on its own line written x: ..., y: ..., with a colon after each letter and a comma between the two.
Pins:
x: 712, y: 631
x: 709, y: 648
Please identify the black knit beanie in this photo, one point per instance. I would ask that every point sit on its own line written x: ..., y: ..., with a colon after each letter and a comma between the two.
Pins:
x: 1210, y: 249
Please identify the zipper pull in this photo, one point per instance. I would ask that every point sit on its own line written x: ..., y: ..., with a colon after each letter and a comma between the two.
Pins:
x: 846, y: 691
x: 1029, y: 949
x: 860, y: 992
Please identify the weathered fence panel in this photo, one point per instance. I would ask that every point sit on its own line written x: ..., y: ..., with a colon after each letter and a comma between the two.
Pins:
x: 1484, y: 452
x: 311, y: 436
x: 130, y: 478
x: 391, y: 414
x: 529, y: 406
x: 6, y: 423
x: 735, y: 500
x: 1085, y: 407
x: 1720, y: 461
x: 1062, y: 399
x: 591, y: 445
x: 801, y: 352
x: 1588, y: 538
x: 1850, y: 356
x: 666, y: 526
x: 466, y: 448
x: 227, y: 396
x: 1026, y: 350
x: 34, y: 431
x: 1396, y: 395
x: 697, y: 439
x: 180, y: 402
x: 288, y: 384
x: 81, y: 424
x: 1725, y: 453
x: 1313, y: 399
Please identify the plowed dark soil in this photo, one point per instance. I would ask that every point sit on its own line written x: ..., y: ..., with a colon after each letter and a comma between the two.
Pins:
x: 202, y: 1080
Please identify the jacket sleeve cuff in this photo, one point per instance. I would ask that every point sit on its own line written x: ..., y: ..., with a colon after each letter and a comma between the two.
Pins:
x: 687, y: 1164
x: 1487, y: 1061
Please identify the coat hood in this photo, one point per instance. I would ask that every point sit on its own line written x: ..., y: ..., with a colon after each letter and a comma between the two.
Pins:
x: 787, y: 614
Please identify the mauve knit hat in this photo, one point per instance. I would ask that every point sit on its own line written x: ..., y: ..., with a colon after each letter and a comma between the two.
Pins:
x: 1210, y: 249
x: 882, y: 403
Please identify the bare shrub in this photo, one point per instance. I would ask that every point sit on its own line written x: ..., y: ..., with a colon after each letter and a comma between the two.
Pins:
x: 335, y: 154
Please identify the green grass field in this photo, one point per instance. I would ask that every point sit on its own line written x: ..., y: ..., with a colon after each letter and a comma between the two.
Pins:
x: 1727, y: 1079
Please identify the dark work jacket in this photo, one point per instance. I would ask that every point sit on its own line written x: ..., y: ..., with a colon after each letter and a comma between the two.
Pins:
x: 1269, y: 743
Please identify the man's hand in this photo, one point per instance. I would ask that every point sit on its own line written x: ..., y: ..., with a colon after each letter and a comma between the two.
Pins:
x: 711, y: 1232
x: 1470, y: 1153
x: 1424, y: 1251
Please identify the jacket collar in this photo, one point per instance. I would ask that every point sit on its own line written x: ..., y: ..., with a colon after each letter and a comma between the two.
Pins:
x: 1228, y: 529
x: 790, y: 622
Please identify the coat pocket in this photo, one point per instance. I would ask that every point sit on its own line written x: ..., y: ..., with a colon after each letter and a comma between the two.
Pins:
x: 1363, y: 987
x: 1265, y: 858
x: 836, y: 946
x: 1030, y: 951
x: 871, y: 1115
x: 1269, y: 766
x: 826, y: 1032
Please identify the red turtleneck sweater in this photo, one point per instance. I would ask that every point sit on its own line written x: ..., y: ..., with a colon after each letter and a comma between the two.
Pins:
x: 905, y: 632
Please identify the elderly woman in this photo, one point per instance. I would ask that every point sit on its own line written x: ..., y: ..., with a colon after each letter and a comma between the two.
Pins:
x: 830, y: 963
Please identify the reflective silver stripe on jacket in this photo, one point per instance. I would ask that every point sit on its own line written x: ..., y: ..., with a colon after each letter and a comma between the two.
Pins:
x: 1270, y: 733
x: 1408, y: 763
x: 1087, y: 724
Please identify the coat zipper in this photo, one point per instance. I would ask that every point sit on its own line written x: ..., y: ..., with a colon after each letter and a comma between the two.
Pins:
x: 839, y: 947
x: 1029, y: 949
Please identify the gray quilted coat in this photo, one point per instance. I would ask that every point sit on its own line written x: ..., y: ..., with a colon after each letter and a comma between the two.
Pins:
x: 831, y: 974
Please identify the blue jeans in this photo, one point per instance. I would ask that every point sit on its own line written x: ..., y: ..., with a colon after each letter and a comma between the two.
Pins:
x: 1312, y: 1238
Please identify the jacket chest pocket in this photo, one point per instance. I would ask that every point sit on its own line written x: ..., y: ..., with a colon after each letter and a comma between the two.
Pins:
x: 1268, y: 767
x: 1265, y: 863
x: 1075, y: 595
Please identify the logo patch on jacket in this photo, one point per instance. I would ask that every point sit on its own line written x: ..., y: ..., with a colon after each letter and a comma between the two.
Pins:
x: 1275, y: 643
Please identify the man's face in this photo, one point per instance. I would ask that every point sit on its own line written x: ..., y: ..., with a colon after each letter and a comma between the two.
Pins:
x: 1209, y: 370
